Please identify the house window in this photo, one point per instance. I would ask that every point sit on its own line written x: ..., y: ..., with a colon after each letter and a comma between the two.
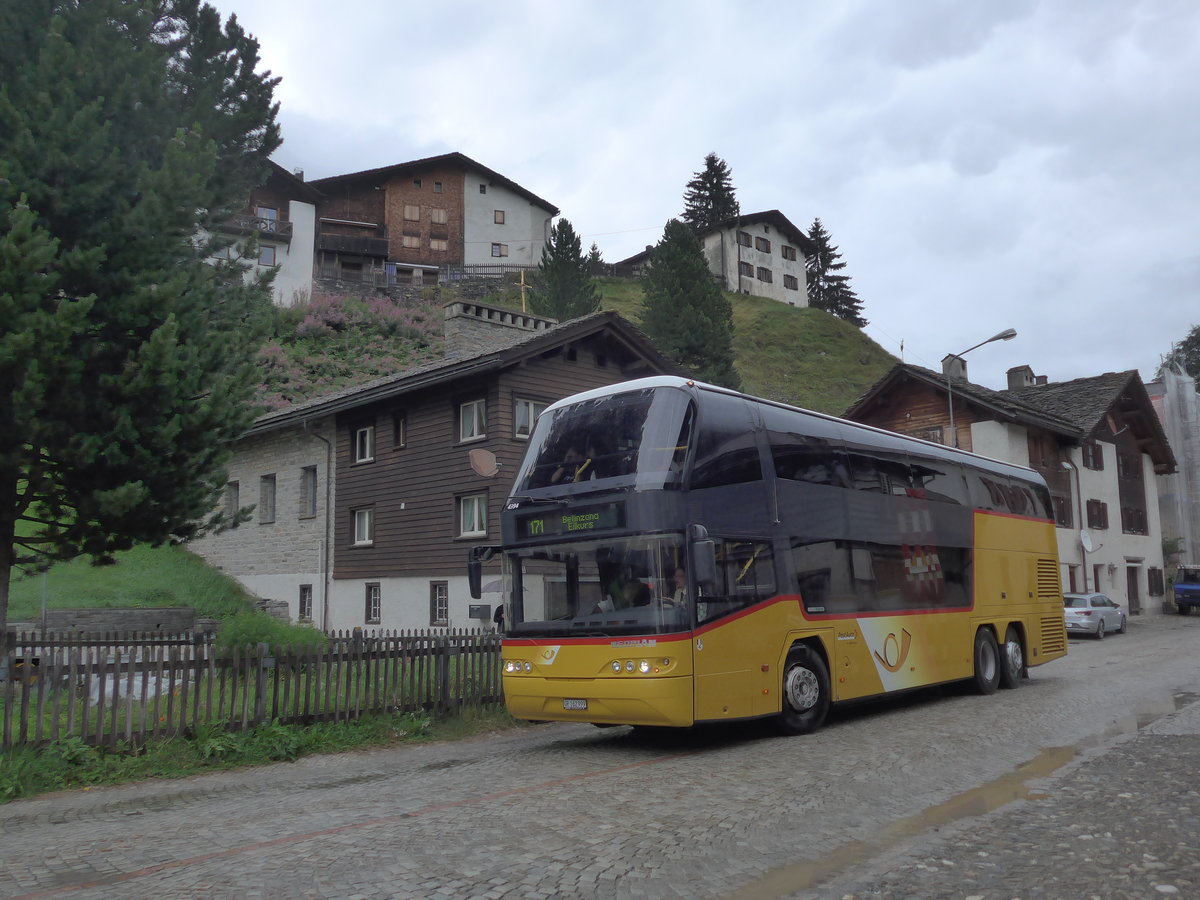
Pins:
x: 438, y: 216
x: 231, y: 499
x: 437, y: 187
x: 743, y: 238
x: 1133, y: 520
x: 410, y: 241
x: 304, y: 604
x: 764, y: 274
x: 439, y: 603
x: 268, y: 219
x: 266, y: 255
x: 499, y: 249
x: 412, y: 213
x: 266, y: 499
x: 1156, y: 584
x: 745, y: 269
x: 1093, y: 455
x: 417, y: 183
x: 1097, y: 514
x: 498, y: 217
x: 483, y: 189
x: 374, y: 605
x: 761, y: 243
x: 399, y: 430
x: 1062, y: 511
x: 472, y: 420
x: 439, y: 244
x: 364, y: 526
x: 1129, y: 466
x: 934, y: 434
x: 788, y: 251
x: 308, y: 492
x: 472, y: 515
x: 791, y: 282
x: 524, y: 415
x: 364, y: 444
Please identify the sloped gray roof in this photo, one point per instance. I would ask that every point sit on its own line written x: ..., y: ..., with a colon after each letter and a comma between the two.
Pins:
x: 463, y: 364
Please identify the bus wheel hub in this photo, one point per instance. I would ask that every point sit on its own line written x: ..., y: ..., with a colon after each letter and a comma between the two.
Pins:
x: 801, y: 688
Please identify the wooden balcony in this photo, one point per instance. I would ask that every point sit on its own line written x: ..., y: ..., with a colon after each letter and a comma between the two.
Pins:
x: 270, y: 228
x: 360, y: 245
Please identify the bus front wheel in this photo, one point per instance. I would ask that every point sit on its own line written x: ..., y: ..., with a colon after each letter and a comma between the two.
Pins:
x: 987, y: 661
x: 805, y: 692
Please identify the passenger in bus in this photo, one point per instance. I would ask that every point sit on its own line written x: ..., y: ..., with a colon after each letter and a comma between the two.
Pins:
x: 679, y: 588
x: 573, y: 467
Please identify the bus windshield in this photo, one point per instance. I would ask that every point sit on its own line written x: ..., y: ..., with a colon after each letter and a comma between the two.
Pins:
x: 637, y: 438
x: 619, y: 586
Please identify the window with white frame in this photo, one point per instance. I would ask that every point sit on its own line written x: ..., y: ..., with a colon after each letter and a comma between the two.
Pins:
x: 373, y: 613
x: 304, y: 606
x: 364, y: 444
x: 266, y: 255
x: 472, y: 515
x: 308, y: 492
x: 472, y: 420
x: 363, y: 526
x: 525, y: 414
x: 266, y: 499
x: 439, y: 603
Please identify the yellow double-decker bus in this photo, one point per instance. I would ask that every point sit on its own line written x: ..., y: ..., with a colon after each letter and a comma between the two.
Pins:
x: 676, y: 553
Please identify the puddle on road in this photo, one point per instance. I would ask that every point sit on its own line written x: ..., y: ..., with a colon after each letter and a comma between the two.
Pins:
x: 986, y: 798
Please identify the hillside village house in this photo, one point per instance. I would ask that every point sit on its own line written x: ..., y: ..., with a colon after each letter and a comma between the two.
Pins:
x: 761, y: 254
x: 282, y: 211
x: 1096, y: 441
x: 400, y: 224
x: 367, y: 500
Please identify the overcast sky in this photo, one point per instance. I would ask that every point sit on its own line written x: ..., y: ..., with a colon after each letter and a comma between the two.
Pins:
x: 981, y: 165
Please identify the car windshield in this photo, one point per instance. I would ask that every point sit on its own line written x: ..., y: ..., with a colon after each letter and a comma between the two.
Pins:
x: 1187, y: 575
x: 598, y: 588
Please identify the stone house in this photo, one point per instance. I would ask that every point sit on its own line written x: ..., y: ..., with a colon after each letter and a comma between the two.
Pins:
x: 1096, y: 441
x: 761, y: 254
x: 367, y: 500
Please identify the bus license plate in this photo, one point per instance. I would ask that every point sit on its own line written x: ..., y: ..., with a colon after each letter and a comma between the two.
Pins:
x: 571, y: 703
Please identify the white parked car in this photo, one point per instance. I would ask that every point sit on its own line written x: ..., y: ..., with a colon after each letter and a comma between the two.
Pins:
x: 1092, y: 614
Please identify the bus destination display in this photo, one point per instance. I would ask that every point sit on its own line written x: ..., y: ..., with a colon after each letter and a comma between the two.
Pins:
x: 576, y: 521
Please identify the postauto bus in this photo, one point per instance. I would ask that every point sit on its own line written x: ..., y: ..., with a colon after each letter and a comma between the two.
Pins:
x: 676, y: 553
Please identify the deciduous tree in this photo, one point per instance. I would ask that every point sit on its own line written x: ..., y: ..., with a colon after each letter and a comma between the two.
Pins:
x: 128, y: 129
x: 1184, y: 356
x: 562, y: 285
x: 710, y: 197
x: 684, y: 312
x: 828, y: 289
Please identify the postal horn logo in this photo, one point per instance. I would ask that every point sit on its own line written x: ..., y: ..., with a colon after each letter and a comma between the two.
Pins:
x: 895, y: 651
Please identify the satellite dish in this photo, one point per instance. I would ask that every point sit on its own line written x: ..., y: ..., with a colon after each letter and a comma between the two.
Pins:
x: 1086, y: 540
x: 483, y: 462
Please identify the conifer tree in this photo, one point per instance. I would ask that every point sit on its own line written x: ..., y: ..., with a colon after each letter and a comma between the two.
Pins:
x: 710, y: 197
x: 126, y: 362
x: 828, y: 289
x: 595, y: 260
x: 684, y: 312
x: 562, y: 285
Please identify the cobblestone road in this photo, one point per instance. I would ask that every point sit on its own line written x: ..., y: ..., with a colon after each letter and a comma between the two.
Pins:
x: 890, y: 800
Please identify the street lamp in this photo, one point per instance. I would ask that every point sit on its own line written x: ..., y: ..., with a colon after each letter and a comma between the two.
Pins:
x: 1006, y: 335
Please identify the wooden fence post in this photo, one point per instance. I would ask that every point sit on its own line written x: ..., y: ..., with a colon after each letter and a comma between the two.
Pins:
x: 260, y: 700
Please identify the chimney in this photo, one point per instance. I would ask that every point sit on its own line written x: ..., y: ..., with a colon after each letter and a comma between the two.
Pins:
x: 1021, y: 377
x: 1039, y: 380
x: 299, y: 173
x: 954, y: 366
x: 471, y: 327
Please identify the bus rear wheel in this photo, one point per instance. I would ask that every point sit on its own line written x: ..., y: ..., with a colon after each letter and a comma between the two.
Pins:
x: 987, y: 662
x: 1012, y: 667
x: 805, y: 692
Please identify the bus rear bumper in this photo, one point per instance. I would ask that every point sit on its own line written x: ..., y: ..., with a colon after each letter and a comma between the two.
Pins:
x: 607, y: 701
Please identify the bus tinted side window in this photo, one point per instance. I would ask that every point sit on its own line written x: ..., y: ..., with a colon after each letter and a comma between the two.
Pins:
x: 726, y: 448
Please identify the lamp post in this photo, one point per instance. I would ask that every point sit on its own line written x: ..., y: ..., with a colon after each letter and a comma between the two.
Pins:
x: 1006, y: 335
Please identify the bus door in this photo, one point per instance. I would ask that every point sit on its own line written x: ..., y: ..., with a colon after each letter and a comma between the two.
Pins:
x: 737, y: 634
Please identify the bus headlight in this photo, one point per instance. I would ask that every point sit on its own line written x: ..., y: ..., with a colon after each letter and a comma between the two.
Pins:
x: 629, y: 665
x: 528, y: 666
x: 617, y: 666
x: 644, y: 666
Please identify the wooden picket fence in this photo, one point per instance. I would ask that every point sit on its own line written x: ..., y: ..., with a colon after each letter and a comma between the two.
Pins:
x: 126, y: 689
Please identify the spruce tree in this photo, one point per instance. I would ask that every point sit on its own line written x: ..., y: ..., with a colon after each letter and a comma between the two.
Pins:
x: 684, y: 312
x: 127, y: 364
x: 595, y: 260
x: 828, y: 289
x: 710, y: 197
x: 562, y: 285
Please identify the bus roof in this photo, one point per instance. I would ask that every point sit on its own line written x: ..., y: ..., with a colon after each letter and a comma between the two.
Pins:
x: 921, y: 447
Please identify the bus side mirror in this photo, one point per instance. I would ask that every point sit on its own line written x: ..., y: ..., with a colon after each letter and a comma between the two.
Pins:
x: 475, y: 560
x: 704, y: 564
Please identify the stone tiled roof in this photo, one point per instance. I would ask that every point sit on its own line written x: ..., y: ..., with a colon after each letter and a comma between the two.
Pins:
x: 1082, y: 401
x: 443, y: 370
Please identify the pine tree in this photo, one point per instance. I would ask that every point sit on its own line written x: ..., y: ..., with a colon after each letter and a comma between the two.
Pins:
x: 684, y: 312
x: 595, y: 260
x: 562, y: 284
x: 126, y: 362
x: 709, y: 197
x: 827, y: 288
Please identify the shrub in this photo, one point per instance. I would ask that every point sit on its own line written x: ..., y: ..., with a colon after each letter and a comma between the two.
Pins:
x: 254, y: 627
